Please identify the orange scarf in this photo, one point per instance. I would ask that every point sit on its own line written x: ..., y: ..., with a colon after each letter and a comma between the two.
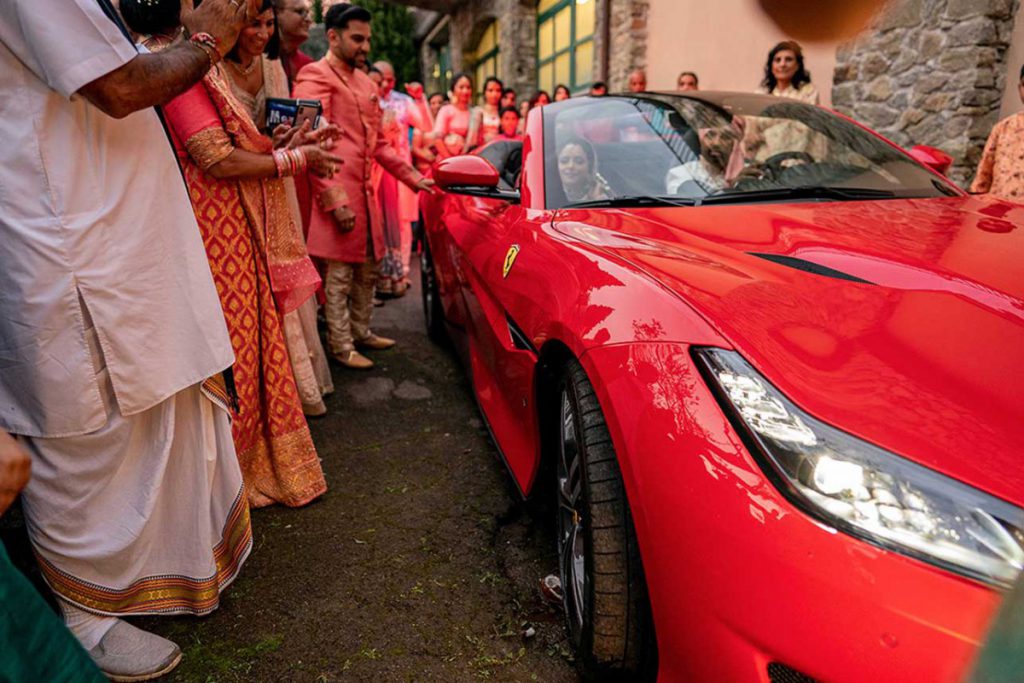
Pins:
x: 293, y: 277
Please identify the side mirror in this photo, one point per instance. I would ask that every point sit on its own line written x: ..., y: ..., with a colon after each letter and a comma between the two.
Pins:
x: 471, y: 175
x: 932, y: 157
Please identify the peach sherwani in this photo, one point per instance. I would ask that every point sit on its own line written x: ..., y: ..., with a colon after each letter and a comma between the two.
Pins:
x: 350, y: 100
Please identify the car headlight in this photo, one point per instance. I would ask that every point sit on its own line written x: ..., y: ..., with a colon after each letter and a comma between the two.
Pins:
x: 864, y: 490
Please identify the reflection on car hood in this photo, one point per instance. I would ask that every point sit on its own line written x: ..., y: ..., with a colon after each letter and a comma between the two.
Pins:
x: 899, y: 321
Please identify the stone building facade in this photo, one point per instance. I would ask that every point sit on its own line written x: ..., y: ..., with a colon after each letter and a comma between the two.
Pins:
x: 931, y: 72
x: 460, y: 31
x: 620, y: 34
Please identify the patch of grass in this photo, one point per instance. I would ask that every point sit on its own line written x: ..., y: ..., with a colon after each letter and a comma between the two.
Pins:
x: 491, y: 579
x: 218, y: 660
x: 486, y: 663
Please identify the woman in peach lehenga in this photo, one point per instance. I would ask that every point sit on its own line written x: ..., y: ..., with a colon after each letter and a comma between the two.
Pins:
x: 261, y: 270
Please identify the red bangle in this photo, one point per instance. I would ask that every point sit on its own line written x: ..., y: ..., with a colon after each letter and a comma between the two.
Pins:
x: 279, y: 163
x: 207, y: 44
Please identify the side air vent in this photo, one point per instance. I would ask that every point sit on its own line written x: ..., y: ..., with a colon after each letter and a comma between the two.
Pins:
x: 809, y: 267
x: 780, y: 673
x: 519, y: 339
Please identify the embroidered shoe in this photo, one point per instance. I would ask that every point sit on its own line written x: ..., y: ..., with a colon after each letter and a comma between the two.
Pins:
x: 353, y: 360
x: 375, y: 343
x: 127, y: 654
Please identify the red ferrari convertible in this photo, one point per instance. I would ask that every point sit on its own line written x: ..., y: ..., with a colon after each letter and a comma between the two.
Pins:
x: 769, y: 364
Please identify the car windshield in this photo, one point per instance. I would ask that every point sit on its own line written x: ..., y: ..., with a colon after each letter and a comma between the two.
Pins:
x: 738, y: 148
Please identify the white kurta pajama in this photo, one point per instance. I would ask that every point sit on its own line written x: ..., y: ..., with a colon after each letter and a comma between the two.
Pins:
x: 109, y: 322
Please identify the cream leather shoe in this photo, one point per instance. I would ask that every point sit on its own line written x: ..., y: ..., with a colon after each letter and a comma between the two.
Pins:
x: 353, y: 360
x: 126, y: 654
x: 376, y: 343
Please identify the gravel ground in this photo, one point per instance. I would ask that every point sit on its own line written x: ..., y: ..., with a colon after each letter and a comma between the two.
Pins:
x: 419, y: 564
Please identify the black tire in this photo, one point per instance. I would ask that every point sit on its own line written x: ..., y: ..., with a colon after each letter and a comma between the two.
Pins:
x: 605, y: 596
x: 433, y: 311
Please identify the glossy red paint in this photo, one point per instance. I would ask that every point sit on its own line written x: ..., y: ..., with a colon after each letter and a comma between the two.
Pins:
x: 737, y: 577
x: 465, y: 170
x: 932, y: 157
x: 913, y: 343
x: 920, y: 360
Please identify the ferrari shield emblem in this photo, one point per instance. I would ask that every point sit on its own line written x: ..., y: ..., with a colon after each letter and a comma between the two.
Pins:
x: 510, y: 259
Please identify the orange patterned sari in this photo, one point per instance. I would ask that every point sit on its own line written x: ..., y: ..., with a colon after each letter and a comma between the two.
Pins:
x: 261, y: 271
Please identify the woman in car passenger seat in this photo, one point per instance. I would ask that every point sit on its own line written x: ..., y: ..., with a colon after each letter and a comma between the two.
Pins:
x: 577, y: 168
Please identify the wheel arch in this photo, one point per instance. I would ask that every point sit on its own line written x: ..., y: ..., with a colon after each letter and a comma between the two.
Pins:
x: 552, y: 358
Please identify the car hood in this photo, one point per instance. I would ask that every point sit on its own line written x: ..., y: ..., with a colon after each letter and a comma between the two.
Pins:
x: 899, y: 321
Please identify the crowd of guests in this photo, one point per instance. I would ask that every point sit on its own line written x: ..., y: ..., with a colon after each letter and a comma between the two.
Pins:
x: 158, y: 299
x: 460, y: 127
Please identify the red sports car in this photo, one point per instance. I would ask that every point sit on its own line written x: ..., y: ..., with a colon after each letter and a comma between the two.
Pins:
x: 771, y: 366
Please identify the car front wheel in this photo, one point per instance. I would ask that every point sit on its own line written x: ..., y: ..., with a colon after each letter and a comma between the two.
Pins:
x: 605, y: 597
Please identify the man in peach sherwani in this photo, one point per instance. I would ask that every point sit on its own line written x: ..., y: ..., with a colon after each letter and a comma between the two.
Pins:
x: 346, y: 228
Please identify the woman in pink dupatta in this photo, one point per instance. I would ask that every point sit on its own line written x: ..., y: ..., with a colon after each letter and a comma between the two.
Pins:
x: 261, y: 270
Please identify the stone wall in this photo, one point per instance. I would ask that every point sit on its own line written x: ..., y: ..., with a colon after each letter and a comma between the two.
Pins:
x: 518, y: 42
x: 628, y: 20
x: 930, y: 72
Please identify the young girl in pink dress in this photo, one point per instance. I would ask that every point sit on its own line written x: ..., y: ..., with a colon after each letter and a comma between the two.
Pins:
x: 486, y: 121
x: 451, y: 128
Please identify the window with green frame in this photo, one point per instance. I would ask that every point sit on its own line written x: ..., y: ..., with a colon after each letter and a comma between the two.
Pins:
x: 565, y: 44
x: 488, y: 58
x: 442, y: 72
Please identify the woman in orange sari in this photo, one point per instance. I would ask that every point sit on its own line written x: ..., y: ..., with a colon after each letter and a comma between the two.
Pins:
x: 262, y: 271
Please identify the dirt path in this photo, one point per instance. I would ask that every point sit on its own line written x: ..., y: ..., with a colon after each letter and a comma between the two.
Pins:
x: 418, y: 564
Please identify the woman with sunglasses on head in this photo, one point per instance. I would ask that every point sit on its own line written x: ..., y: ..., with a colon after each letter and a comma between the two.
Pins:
x: 237, y: 178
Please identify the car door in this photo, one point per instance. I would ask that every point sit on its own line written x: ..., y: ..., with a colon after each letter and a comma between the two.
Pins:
x: 493, y: 239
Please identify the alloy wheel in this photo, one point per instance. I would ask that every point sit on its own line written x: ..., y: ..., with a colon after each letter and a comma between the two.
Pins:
x: 571, y: 542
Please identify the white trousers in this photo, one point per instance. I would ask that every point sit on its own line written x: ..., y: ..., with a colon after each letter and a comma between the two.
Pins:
x: 143, y: 516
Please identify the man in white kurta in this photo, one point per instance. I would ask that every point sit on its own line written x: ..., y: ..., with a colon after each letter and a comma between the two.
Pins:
x: 109, y: 326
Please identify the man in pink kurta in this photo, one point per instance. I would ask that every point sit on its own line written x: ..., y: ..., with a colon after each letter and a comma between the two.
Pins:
x: 346, y: 226
x: 409, y: 113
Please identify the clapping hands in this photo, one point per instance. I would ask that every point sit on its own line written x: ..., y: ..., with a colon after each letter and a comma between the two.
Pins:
x: 290, y: 137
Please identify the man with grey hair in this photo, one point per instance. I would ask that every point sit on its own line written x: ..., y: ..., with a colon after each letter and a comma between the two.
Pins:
x: 294, y: 18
